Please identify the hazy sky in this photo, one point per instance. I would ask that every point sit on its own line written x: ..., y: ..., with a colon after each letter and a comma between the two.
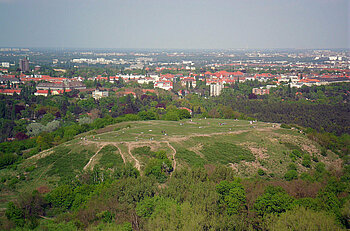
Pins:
x: 175, y: 23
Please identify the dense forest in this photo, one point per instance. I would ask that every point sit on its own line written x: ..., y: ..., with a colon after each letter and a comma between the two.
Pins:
x: 210, y: 198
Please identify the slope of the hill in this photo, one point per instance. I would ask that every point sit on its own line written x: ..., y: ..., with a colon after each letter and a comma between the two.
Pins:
x: 247, y: 147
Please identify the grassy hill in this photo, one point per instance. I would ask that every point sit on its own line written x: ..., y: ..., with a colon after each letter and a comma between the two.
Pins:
x: 242, y: 146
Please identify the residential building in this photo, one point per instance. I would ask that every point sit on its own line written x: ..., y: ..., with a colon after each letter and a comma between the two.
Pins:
x: 188, y: 82
x: 292, y: 79
x: 61, y: 86
x: 24, y: 64
x: 5, y: 64
x: 260, y: 91
x: 5, y: 79
x: 10, y: 91
x: 164, y: 84
x: 97, y: 94
x: 215, y: 89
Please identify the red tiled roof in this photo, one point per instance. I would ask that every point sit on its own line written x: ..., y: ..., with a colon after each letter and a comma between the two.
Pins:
x: 148, y: 90
x: 10, y: 91
x: 42, y: 91
x: 185, y: 108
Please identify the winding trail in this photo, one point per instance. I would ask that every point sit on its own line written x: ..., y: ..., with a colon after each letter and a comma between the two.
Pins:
x: 131, y: 145
x: 174, y: 153
x: 102, y: 145
x: 92, y: 158
x: 137, y: 162
x: 121, y: 154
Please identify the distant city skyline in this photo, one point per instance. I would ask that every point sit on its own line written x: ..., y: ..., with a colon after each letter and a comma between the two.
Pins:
x: 175, y: 24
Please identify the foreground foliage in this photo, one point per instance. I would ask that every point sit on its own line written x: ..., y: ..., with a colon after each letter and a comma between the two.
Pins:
x: 191, y: 199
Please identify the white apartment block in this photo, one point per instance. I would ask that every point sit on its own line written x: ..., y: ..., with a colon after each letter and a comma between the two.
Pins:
x: 215, y: 89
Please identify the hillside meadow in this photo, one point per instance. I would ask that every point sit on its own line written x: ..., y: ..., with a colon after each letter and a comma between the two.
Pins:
x: 248, y: 156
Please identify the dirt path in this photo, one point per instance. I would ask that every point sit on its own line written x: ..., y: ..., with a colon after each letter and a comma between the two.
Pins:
x: 131, y: 145
x: 107, y: 143
x: 137, y: 162
x: 196, y: 149
x: 49, y: 167
x: 42, y: 154
x: 121, y: 154
x: 92, y: 159
x: 183, y: 138
x: 174, y: 153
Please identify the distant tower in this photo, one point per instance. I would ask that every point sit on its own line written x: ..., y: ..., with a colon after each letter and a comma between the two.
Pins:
x: 24, y: 64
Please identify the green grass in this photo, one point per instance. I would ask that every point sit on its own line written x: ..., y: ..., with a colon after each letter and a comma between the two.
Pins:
x: 143, y: 154
x: 110, y: 157
x: 191, y: 158
x: 64, y: 162
x: 59, y: 153
x: 70, y: 164
x: 225, y: 153
x: 143, y: 151
x: 146, y: 130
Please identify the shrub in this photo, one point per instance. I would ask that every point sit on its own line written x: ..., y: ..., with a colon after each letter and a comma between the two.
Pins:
x: 306, y: 161
x: 306, y: 176
x: 51, y: 225
x: 160, y: 168
x: 51, y: 126
x: 85, y: 120
x: 285, y: 126
x: 7, y: 159
x: 106, y: 216
x: 151, y: 206
x: 261, y: 172
x: 30, y: 169
x: 13, y: 182
x: 61, y: 197
x: 320, y: 167
x: 291, y: 175
x: 183, y: 114
x: 292, y: 166
x: 172, y: 115
x: 308, y: 203
x: 297, y: 153
x: 127, y: 171
x: 274, y: 200
x: 15, y: 214
x: 303, y: 219
x: 34, y: 129
x: 232, y: 194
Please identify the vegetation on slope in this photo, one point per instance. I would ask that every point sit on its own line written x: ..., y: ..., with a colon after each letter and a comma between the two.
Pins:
x: 265, y: 175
